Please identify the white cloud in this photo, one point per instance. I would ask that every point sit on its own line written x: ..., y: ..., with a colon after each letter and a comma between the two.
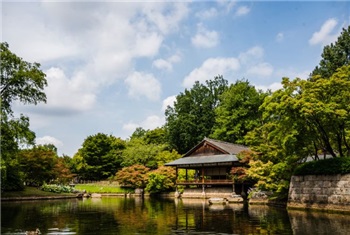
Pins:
x: 169, y: 101
x: 279, y: 37
x: 251, y: 55
x: 324, y: 36
x: 211, y: 68
x: 130, y: 127
x: 167, y: 64
x: 49, y: 140
x: 63, y: 97
x: 207, y: 14
x: 205, y: 38
x: 143, y: 84
x: 150, y: 123
x: 166, y: 17
x: 227, y: 4
x: 162, y: 64
x: 243, y: 10
x: 273, y: 87
x: 261, y: 69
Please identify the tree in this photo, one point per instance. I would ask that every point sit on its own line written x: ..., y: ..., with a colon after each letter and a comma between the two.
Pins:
x: 101, y: 155
x: 22, y: 81
x: 193, y: 116
x: 305, y: 118
x: 135, y: 176
x: 38, y: 165
x: 137, y: 151
x: 63, y: 174
x: 334, y: 56
x: 161, y: 180
x: 238, y: 112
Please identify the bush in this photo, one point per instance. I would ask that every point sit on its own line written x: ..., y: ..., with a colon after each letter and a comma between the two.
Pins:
x: 161, y: 180
x: 133, y: 176
x: 325, y: 167
x: 54, y: 188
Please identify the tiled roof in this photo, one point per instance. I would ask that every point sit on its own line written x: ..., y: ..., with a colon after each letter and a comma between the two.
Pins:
x: 227, y: 147
x: 203, y: 160
x: 229, y: 154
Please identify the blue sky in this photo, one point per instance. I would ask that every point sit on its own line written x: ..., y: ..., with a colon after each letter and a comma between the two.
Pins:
x: 113, y: 66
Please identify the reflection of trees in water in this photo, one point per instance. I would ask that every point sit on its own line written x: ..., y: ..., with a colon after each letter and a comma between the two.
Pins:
x: 230, y: 219
x: 145, y: 216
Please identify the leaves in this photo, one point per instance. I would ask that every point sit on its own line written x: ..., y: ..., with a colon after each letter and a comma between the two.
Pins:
x: 133, y: 176
x: 238, y: 112
x: 193, y: 116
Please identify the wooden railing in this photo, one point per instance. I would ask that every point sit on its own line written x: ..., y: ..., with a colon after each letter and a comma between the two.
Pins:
x: 205, y: 181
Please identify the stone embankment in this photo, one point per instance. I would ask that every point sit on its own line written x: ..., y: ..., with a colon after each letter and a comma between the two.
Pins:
x: 320, y: 192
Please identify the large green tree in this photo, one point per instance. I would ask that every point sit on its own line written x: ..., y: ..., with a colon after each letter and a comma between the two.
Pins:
x: 100, y: 156
x: 24, y: 82
x: 238, y: 112
x: 305, y: 118
x: 38, y: 165
x: 193, y: 115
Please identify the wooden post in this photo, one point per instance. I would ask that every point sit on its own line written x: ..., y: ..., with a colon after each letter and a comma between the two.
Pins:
x: 202, y: 175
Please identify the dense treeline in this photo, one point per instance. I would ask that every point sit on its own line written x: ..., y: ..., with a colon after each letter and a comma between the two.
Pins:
x: 304, y: 119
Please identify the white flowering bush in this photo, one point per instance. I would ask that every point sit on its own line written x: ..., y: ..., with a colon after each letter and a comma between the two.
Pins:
x: 54, y: 188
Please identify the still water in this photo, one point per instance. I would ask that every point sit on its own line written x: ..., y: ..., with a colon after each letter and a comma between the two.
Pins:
x: 126, y: 216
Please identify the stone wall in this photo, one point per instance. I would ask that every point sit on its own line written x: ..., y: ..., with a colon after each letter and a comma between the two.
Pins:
x: 322, y: 192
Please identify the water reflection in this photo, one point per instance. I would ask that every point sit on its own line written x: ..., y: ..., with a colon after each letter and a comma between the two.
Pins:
x: 150, y: 216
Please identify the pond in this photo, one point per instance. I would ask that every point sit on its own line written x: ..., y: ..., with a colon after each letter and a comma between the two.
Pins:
x: 112, y: 215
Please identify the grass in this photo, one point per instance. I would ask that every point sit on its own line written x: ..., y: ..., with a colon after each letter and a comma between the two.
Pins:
x: 98, y: 188
x: 32, y: 192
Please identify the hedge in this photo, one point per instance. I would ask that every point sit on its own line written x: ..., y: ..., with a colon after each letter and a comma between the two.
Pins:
x: 330, y: 166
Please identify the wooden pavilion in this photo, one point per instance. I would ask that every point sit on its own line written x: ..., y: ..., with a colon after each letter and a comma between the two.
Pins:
x: 212, y: 161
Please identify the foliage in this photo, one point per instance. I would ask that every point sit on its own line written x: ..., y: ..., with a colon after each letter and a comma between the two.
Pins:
x: 334, y: 56
x: 167, y: 156
x: 156, y: 136
x: 37, y: 165
x: 22, y: 81
x: 11, y: 177
x: 193, y: 116
x: 161, y: 180
x: 238, y: 112
x: 54, y: 188
x: 100, y: 156
x: 325, y: 167
x: 133, y: 176
x: 139, y: 152
x: 304, y: 118
x: 239, y: 173
x: 63, y: 175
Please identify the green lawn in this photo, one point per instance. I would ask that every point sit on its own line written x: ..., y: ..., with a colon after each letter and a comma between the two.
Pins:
x: 31, y: 192
x: 96, y: 188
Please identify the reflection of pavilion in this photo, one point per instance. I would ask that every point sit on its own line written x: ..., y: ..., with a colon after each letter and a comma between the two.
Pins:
x: 212, y: 161
x: 197, y: 215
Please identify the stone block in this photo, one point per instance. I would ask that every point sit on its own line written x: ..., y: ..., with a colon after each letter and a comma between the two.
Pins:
x: 342, y: 183
x: 327, y: 184
x: 321, y: 198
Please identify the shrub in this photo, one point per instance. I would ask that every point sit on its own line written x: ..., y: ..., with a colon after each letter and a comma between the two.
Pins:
x: 161, y: 180
x: 54, y: 188
x: 325, y: 167
x: 133, y: 176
